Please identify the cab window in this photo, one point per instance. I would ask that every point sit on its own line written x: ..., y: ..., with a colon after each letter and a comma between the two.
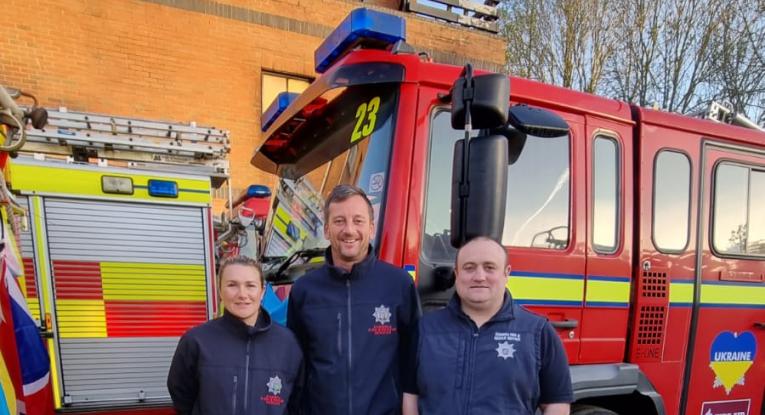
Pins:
x: 537, y: 214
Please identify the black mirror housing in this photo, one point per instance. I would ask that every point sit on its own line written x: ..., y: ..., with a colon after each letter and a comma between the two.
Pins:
x: 537, y: 121
x: 486, y: 189
x: 490, y: 94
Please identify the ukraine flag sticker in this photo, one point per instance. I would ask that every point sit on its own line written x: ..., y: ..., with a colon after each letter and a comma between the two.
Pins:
x: 731, y: 356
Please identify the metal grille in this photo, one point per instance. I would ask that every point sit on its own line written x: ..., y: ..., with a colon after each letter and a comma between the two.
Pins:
x: 654, y: 284
x: 651, y: 325
x: 652, y: 303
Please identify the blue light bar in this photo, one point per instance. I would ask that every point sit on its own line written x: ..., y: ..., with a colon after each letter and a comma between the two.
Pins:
x: 362, y: 25
x: 282, y: 101
x: 163, y: 188
x: 259, y: 191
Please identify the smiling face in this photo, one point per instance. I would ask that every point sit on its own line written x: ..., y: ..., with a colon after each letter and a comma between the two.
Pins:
x: 348, y: 229
x: 241, y: 292
x: 481, y: 275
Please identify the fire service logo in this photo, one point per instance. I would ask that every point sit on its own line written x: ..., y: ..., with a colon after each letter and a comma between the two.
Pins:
x: 273, y: 397
x: 382, y: 325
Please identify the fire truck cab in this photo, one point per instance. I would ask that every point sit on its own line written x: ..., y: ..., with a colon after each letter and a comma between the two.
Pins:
x: 638, y: 233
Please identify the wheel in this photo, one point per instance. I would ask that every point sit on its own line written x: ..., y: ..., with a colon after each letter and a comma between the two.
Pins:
x: 590, y: 410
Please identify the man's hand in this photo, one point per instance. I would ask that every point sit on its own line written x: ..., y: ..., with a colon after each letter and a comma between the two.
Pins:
x: 409, y: 406
x: 548, y: 409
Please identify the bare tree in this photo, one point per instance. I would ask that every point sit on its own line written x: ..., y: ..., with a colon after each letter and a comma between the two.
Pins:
x: 675, y: 54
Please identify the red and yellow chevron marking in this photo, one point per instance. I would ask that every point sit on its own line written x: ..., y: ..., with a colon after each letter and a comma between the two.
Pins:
x: 116, y: 299
x: 77, y: 280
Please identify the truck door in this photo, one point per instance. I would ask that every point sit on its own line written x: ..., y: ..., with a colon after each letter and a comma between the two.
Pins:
x: 544, y: 223
x: 727, y: 353
x: 605, y: 315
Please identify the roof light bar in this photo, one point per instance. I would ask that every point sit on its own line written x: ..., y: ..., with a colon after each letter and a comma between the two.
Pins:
x: 366, y: 26
x: 277, y: 107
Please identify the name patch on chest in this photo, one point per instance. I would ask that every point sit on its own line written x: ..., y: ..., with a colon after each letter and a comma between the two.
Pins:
x: 513, y: 337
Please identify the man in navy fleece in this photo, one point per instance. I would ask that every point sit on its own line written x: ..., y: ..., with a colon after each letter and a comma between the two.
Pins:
x: 482, y: 354
x: 353, y: 317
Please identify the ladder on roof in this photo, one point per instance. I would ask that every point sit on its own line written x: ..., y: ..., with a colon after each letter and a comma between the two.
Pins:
x: 721, y: 113
x: 128, y: 142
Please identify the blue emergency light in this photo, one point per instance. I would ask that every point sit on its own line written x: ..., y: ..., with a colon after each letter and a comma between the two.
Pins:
x: 282, y: 101
x: 163, y: 188
x: 258, y: 191
x: 361, y: 26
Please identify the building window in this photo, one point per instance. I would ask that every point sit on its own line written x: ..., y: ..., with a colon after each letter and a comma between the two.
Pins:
x: 671, y: 201
x: 738, y: 222
x: 605, y: 185
x: 274, y: 83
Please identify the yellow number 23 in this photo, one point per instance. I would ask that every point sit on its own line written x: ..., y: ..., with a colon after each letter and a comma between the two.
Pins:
x: 366, y: 117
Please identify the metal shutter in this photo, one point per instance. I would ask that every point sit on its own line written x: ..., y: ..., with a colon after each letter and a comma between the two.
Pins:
x: 129, y: 279
x: 27, y: 250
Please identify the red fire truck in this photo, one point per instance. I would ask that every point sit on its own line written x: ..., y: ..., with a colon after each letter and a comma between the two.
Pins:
x: 640, y: 234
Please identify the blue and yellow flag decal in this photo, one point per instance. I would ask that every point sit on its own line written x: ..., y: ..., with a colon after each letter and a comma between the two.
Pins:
x: 730, y: 357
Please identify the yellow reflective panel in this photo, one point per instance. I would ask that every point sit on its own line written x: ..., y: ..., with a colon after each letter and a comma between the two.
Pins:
x: 160, y: 282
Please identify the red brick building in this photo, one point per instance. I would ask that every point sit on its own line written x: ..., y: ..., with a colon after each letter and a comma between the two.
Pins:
x: 193, y: 60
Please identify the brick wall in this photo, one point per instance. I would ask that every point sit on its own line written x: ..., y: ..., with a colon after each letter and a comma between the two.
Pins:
x: 188, y: 60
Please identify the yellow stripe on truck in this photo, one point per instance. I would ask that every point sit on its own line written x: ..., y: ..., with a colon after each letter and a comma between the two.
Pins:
x: 87, y: 182
x: 159, y: 282
x: 740, y: 294
x: 546, y: 289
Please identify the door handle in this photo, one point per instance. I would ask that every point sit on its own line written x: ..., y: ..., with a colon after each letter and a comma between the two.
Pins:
x: 759, y: 325
x: 565, y: 324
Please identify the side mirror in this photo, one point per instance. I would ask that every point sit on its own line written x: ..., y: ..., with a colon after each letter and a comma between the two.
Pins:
x: 488, y: 96
x: 515, y: 141
x: 537, y: 121
x: 485, y: 190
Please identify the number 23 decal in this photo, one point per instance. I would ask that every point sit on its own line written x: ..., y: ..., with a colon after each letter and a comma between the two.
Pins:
x: 366, y: 117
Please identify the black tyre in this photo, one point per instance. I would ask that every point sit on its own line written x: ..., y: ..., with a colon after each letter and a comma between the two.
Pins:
x: 590, y: 410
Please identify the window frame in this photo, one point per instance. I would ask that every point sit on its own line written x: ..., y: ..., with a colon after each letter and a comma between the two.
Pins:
x: 713, y: 205
x: 690, y: 201
x: 619, y: 191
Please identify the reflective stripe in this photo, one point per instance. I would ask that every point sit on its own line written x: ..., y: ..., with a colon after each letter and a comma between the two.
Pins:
x: 734, y: 294
x: 680, y: 293
x: 608, y: 292
x: 544, y: 289
x: 69, y: 180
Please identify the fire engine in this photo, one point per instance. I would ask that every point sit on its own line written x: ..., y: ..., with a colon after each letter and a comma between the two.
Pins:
x: 638, y: 233
x: 116, y: 238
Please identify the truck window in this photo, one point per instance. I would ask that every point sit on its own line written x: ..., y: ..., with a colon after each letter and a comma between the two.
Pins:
x: 537, y: 212
x: 671, y: 201
x: 297, y: 220
x: 605, y: 207
x: 738, y: 222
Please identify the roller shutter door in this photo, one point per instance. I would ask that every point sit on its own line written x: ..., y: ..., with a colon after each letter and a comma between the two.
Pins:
x: 129, y: 279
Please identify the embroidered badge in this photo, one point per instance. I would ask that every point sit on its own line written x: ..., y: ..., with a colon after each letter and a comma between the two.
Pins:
x: 382, y: 317
x: 274, y: 386
x: 505, y: 350
x: 382, y: 314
